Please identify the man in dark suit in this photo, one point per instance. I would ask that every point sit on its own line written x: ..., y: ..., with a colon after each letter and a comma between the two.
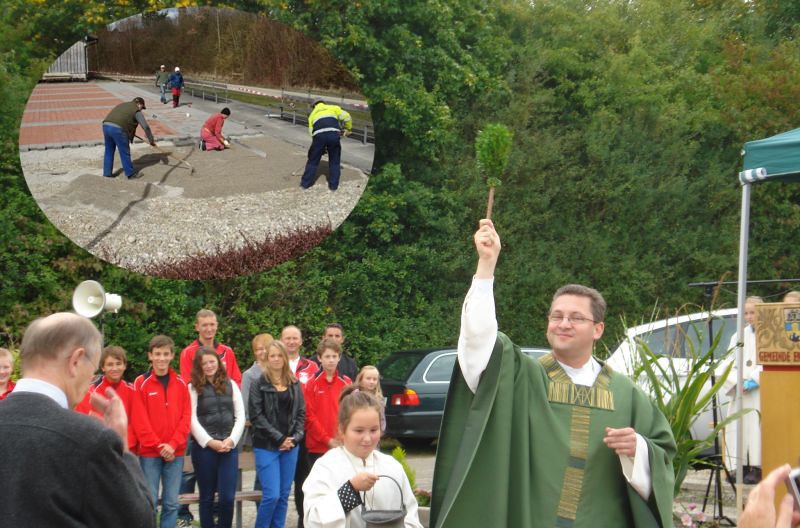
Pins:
x: 58, y: 467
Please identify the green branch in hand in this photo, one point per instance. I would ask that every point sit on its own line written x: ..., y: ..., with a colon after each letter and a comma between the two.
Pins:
x: 492, y: 151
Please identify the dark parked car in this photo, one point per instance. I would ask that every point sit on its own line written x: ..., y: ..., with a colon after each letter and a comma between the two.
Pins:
x: 415, y: 384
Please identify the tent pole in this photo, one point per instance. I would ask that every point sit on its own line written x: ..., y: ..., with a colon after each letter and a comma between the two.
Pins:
x: 742, y: 295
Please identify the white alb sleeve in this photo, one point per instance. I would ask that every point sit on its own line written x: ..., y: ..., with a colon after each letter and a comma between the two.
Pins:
x: 478, y: 331
x: 637, y: 469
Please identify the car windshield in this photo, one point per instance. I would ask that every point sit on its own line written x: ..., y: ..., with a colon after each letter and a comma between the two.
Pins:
x: 688, y: 338
x: 400, y: 366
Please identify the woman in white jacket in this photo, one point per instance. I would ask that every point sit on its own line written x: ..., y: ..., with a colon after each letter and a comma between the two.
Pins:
x: 356, y: 475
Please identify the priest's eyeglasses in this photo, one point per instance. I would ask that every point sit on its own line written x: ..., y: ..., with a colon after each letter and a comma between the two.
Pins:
x: 574, y: 319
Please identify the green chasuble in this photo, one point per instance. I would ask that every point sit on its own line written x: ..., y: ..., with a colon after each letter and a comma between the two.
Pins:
x: 526, y: 450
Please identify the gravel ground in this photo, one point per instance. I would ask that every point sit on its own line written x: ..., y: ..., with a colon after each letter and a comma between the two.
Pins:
x: 171, y: 213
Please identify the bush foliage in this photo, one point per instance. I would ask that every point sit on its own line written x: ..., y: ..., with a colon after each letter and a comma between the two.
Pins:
x: 627, y: 119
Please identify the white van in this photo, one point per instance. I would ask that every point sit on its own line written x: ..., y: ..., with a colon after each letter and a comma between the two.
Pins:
x: 679, y: 339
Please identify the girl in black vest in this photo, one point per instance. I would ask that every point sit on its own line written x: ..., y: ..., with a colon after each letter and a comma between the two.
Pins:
x: 217, y: 425
x: 277, y: 412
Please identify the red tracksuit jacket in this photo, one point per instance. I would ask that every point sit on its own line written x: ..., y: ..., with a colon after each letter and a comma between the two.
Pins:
x: 322, y: 409
x: 226, y: 356
x: 305, y: 370
x: 125, y: 392
x: 159, y: 417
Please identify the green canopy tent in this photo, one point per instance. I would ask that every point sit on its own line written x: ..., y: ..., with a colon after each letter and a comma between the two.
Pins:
x: 775, y: 158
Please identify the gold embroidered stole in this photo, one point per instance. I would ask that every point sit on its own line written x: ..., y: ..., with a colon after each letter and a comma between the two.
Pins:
x: 582, y: 399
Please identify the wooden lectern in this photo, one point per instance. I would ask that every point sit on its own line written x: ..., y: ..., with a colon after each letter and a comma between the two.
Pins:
x: 778, y: 351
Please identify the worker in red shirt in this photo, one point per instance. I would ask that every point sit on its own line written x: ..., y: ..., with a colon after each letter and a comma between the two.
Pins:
x: 211, y: 137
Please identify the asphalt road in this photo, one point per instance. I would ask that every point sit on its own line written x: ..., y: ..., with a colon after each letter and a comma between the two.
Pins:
x: 256, y: 118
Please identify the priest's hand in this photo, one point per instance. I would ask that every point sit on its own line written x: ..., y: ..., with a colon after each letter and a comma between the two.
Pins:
x: 760, y: 510
x: 622, y: 441
x: 363, y: 481
x: 487, y: 243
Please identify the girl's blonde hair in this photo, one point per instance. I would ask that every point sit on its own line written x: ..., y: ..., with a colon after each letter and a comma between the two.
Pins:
x: 378, y: 393
x: 285, y: 377
x: 262, y: 340
x: 353, y: 399
x: 4, y: 352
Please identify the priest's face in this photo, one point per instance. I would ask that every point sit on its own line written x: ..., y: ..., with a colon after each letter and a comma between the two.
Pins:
x: 571, y: 330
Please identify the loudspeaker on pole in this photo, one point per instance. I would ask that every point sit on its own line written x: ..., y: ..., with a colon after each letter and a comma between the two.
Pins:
x: 90, y: 299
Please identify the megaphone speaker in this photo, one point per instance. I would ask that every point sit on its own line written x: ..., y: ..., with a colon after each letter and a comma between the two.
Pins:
x: 89, y: 299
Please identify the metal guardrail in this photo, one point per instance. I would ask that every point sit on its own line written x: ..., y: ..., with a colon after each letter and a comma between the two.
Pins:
x: 207, y: 90
x: 284, y: 110
x: 292, y: 95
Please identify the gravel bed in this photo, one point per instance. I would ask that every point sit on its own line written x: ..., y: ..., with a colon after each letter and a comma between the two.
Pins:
x: 157, y: 219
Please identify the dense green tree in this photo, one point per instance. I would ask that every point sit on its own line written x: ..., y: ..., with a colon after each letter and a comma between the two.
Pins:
x: 628, y: 118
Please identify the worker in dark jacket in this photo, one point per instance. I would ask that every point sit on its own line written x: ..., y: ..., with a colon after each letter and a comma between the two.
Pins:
x: 119, y: 129
x: 325, y: 124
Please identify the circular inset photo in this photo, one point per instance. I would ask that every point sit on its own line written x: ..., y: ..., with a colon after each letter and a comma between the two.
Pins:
x: 197, y: 143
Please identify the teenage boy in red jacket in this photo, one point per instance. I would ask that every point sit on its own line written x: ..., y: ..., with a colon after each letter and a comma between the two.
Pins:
x: 162, y: 413
x: 113, y: 362
x: 206, y: 326
x: 322, y: 401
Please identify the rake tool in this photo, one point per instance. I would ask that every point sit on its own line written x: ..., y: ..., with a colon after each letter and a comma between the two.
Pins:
x: 170, y: 155
x: 300, y: 169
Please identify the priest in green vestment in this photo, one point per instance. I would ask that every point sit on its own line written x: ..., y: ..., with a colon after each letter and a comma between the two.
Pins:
x: 562, y: 441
